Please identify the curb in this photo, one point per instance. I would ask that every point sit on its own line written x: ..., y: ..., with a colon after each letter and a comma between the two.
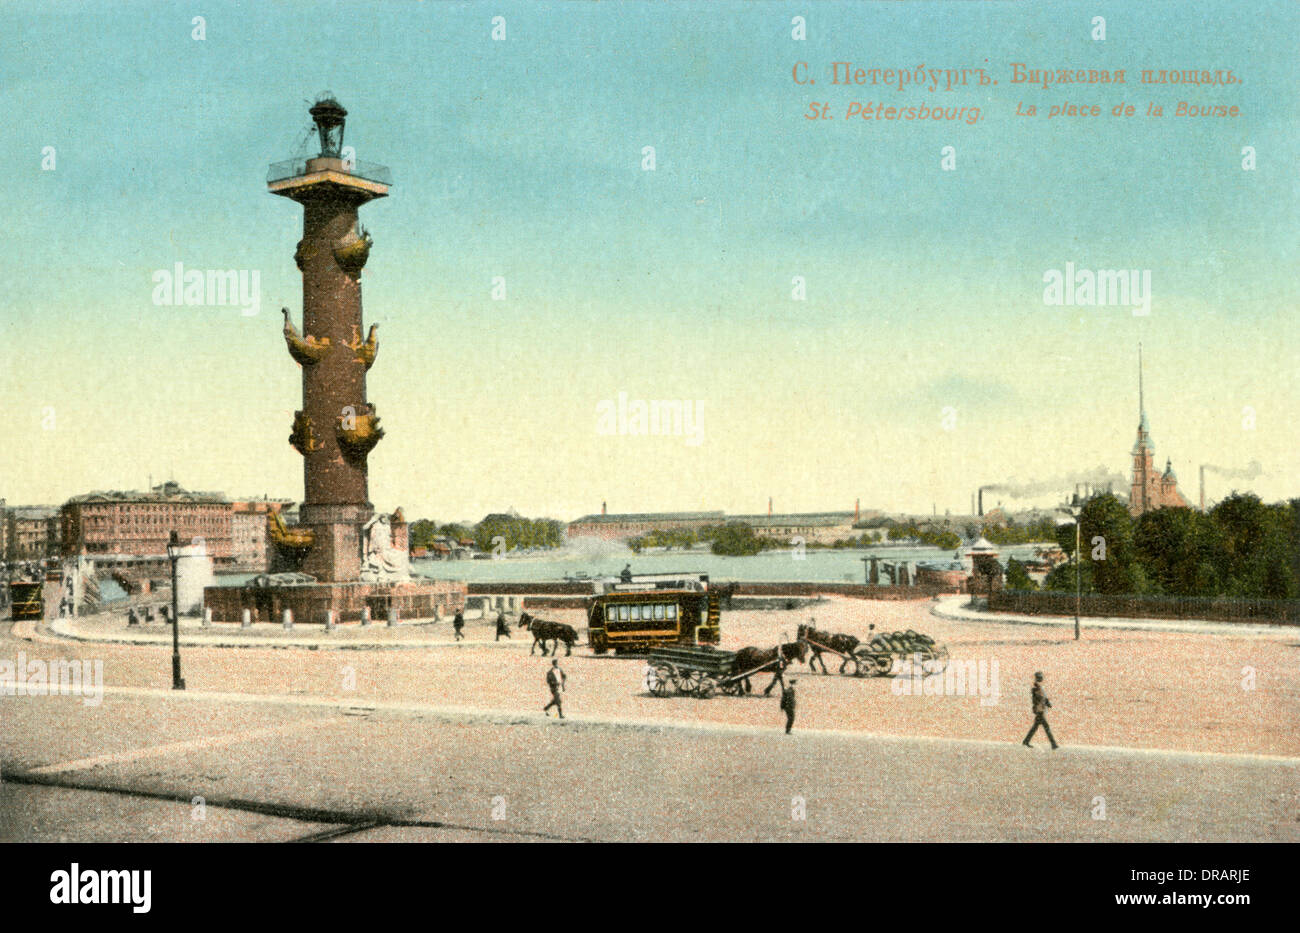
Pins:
x: 56, y: 631
x: 951, y: 609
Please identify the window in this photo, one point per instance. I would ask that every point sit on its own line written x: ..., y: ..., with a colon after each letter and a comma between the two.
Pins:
x: 636, y: 613
x: 659, y: 612
x: 622, y: 613
x: 671, y: 610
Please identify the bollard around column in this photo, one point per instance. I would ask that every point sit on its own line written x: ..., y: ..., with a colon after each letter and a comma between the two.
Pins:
x: 288, y: 618
x: 393, y: 618
x: 365, y: 615
x: 246, y: 618
x: 329, y: 620
x: 207, y: 617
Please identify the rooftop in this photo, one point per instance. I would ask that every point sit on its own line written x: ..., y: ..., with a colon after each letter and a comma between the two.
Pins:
x: 164, y: 492
x: 650, y: 517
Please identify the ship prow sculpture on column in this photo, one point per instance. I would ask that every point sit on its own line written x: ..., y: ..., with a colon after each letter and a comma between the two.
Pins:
x: 358, y: 558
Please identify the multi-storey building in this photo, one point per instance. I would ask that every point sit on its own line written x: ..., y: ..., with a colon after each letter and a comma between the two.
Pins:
x: 35, y: 531
x: 140, y: 523
x: 250, y: 538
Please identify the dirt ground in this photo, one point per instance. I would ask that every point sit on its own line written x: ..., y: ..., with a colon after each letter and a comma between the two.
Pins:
x: 1191, y: 692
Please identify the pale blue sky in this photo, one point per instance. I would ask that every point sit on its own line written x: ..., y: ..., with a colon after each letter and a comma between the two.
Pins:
x: 522, y: 158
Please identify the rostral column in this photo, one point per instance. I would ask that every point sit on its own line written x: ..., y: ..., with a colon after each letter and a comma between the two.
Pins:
x: 336, y: 428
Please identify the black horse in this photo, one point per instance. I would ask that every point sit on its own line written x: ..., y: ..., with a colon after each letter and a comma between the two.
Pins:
x: 554, y: 632
x: 748, y: 659
x: 818, y: 641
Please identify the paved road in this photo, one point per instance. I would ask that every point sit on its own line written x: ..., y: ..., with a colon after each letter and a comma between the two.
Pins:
x: 267, y: 745
x: 274, y: 771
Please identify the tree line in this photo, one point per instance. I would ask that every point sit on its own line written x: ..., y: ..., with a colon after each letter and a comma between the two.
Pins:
x: 516, y: 531
x: 1242, y: 547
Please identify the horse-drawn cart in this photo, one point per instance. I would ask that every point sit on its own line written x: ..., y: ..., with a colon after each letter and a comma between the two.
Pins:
x: 888, y: 652
x: 884, y: 655
x: 701, y: 671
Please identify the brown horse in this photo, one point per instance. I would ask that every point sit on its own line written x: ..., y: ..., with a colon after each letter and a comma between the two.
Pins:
x: 554, y: 632
x: 818, y: 641
x: 754, y: 659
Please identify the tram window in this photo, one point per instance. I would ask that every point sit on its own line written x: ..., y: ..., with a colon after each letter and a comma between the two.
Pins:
x: 636, y: 613
x: 622, y: 613
x: 672, y: 610
x: 659, y: 612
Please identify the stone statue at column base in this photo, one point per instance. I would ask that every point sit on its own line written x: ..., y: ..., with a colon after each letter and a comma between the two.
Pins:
x: 383, y: 563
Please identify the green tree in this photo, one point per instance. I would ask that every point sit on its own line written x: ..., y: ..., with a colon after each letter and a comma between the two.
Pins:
x: 736, y: 539
x: 1177, y: 548
x: 1106, y: 531
x: 1017, y: 577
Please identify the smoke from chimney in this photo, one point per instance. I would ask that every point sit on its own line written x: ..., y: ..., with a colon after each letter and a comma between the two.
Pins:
x: 1252, y: 470
x: 1094, y: 479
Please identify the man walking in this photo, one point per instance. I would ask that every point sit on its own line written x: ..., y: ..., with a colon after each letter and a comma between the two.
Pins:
x: 778, y: 677
x: 458, y: 625
x: 555, y: 679
x: 503, y: 628
x: 1041, y: 705
x: 788, y: 703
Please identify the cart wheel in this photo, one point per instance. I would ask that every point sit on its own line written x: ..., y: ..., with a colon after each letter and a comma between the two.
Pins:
x: 691, y: 683
x: 733, y: 688
x: 660, y: 680
x: 852, y: 668
x: 937, y: 662
x: 707, y: 687
x: 882, y: 665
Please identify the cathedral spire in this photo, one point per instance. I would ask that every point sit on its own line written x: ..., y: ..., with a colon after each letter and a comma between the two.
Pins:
x: 1144, y: 429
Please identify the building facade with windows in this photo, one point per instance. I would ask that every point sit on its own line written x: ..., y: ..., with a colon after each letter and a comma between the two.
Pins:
x: 140, y: 523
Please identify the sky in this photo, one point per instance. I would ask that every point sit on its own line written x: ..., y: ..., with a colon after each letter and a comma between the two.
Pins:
x: 921, y: 363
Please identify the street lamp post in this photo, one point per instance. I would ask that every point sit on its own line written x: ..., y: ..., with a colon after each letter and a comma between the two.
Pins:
x: 1075, y: 511
x: 173, y: 554
x: 1078, y: 580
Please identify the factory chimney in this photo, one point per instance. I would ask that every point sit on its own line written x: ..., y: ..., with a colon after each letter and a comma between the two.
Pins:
x: 769, y: 506
x: 857, y: 510
x: 981, y: 499
x: 1202, y: 487
x: 602, y: 506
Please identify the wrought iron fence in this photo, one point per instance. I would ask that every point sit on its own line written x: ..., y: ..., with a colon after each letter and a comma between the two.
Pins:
x: 1214, y: 608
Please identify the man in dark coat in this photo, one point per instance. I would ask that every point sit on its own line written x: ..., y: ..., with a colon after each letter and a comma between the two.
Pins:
x: 788, y: 704
x: 1041, y: 704
x: 458, y: 625
x: 555, y: 680
x: 503, y: 628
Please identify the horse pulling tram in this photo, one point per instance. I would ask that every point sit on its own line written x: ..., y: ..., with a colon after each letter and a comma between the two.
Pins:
x: 882, y: 656
x: 702, y: 671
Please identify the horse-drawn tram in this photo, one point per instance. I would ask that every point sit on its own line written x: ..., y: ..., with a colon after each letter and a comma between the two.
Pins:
x: 649, y: 610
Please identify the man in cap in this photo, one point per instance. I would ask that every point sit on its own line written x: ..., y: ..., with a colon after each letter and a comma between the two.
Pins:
x: 1041, y: 704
